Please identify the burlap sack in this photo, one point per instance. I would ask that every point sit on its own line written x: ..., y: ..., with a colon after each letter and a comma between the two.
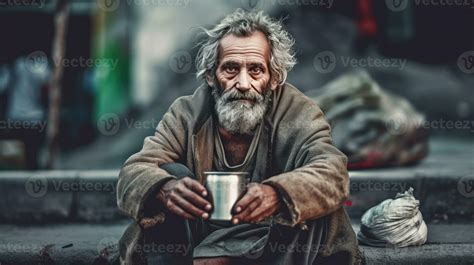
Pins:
x: 396, y: 223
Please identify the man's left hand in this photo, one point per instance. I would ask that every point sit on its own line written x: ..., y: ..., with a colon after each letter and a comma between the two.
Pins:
x: 259, y: 202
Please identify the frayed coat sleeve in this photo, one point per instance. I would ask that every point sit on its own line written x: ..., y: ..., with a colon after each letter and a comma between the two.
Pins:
x: 318, y: 183
x: 141, y: 174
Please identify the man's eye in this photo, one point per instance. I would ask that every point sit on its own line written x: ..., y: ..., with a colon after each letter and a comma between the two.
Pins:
x: 231, y: 69
x: 256, y: 70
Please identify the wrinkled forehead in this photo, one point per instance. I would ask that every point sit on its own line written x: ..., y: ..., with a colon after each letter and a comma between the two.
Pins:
x: 254, y: 47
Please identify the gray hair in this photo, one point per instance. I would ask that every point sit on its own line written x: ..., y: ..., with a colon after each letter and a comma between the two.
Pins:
x: 241, y: 23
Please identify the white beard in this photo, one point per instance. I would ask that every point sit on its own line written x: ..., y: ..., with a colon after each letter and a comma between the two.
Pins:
x: 240, y: 116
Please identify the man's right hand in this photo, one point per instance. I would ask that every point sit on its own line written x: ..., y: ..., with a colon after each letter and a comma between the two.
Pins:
x: 185, y: 198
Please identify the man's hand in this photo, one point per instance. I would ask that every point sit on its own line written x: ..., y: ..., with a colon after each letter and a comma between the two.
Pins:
x: 185, y: 198
x: 259, y: 202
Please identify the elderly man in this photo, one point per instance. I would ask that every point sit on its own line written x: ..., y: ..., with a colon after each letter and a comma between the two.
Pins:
x: 243, y: 118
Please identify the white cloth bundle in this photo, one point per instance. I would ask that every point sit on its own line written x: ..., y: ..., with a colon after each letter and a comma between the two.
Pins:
x: 396, y: 222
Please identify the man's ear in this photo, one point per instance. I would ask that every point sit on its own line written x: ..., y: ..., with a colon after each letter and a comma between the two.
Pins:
x: 273, y: 84
x: 209, y: 80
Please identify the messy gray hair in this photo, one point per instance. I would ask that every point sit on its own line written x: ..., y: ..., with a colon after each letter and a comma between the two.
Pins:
x: 241, y: 23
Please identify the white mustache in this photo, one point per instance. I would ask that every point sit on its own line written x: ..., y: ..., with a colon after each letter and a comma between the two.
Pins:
x: 235, y: 94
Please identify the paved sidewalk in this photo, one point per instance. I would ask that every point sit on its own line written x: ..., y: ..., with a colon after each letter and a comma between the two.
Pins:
x: 96, y: 244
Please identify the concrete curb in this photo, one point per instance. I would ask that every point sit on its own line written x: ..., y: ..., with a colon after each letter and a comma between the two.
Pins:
x: 90, y: 196
x: 58, y: 196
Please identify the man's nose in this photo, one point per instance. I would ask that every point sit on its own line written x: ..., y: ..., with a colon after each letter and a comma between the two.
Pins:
x: 243, y: 81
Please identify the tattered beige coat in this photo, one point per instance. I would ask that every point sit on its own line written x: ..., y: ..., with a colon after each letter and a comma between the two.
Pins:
x: 295, y: 154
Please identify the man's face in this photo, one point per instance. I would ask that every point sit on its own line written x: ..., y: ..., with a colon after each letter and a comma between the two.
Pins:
x: 242, y: 87
x: 243, y: 63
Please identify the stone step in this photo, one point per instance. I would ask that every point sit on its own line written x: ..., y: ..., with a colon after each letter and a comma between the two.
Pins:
x: 90, y: 196
x: 443, y: 183
x: 97, y: 244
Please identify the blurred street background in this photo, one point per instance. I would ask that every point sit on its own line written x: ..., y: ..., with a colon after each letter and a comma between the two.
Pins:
x: 124, y: 61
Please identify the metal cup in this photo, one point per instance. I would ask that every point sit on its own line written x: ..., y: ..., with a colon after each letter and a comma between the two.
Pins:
x: 224, y: 189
